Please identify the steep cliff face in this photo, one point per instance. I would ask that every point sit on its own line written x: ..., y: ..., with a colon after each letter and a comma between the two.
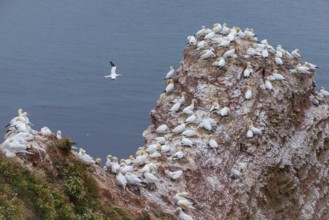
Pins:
x: 272, y: 156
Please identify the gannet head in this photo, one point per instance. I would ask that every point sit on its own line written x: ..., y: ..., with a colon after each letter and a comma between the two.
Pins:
x: 122, y: 161
x: 322, y: 88
x: 224, y: 24
x: 194, y: 101
x: 171, y: 67
x: 108, y: 157
x: 115, y: 159
x: 20, y: 111
x: 98, y: 160
x: 178, y: 209
x: 81, y: 150
x: 131, y: 157
x: 183, y: 93
x: 203, y: 27
x: 167, y: 172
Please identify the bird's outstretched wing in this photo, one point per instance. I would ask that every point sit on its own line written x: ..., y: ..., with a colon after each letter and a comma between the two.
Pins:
x: 112, y: 64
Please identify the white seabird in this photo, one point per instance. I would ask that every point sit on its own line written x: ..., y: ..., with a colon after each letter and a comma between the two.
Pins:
x: 191, y: 40
x: 295, y: 54
x: 201, y: 45
x: 171, y: 73
x: 189, y: 109
x: 121, y: 179
x: 150, y: 178
x: 170, y: 86
x: 162, y: 129
x: 221, y: 62
x: 132, y: 179
x: 324, y: 92
x: 230, y: 53
x: 277, y: 76
x: 278, y: 60
x: 248, y: 94
x: 224, y: 111
x: 186, y: 142
x: 178, y: 129
x: 59, y: 134
x: 248, y: 71
x: 45, y: 131
x: 113, y: 74
x: 190, y: 119
x: 212, y: 142
x: 268, y: 85
x: 174, y: 175
x: 183, y: 215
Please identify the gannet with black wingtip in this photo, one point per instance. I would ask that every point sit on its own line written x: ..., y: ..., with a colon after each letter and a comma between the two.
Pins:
x: 190, y: 133
x: 311, y: 66
x: 179, y: 154
x: 140, y: 159
x: 191, y: 40
x: 160, y: 140
x: 303, y: 69
x: 175, y: 107
x: 189, y: 109
x: 171, y: 73
x: 170, y: 86
x: 248, y: 71
x: 183, y: 215
x: 113, y: 74
x: 186, y: 142
x: 132, y: 179
x: 225, y: 43
x: 210, y: 35
x: 214, y: 107
x: 252, y: 52
x: 249, y: 33
x: 174, y: 175
x: 295, y: 54
x: 221, y: 63
x: 205, y: 123
x: 265, y: 53
x: 166, y: 147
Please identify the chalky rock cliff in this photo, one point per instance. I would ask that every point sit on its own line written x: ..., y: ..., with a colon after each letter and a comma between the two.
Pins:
x: 255, y: 145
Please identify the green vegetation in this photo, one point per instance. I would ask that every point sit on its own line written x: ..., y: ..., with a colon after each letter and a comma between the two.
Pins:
x: 61, y: 189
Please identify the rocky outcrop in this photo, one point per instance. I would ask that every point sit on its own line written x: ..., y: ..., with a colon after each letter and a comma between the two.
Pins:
x: 280, y: 171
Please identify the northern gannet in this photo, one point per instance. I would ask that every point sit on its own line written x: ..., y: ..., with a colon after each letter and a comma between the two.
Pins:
x: 191, y: 40
x: 303, y: 69
x: 121, y: 179
x: 179, y: 154
x: 249, y: 134
x: 150, y: 178
x: 166, y: 147
x: 162, y: 129
x: 171, y: 73
x: 170, y: 86
x: 178, y: 129
x: 115, y: 165
x: 230, y: 53
x: 268, y: 85
x: 210, y: 35
x: 108, y: 164
x: 248, y: 94
x: 248, y: 71
x: 324, y: 92
x: 86, y: 158
x: 311, y: 66
x: 174, y: 175
x: 224, y: 111
x: 221, y: 62
x: 113, y: 74
x: 183, y: 215
x: 207, y: 53
x: 201, y: 32
x: 277, y: 76
x: 98, y: 161
x: 201, y: 45
x: 185, y: 204
x: 214, y: 107
x: 212, y: 142
x: 45, y: 131
x: 217, y: 28
x: 160, y: 140
x: 255, y: 130
x: 124, y: 168
x: 155, y: 154
x: 175, y: 107
x: 59, y: 134
x: 189, y: 133
x: 190, y: 119
x: 225, y: 29
x: 265, y: 53
x: 278, y: 61
x: 189, y: 109
x: 225, y: 43
x: 252, y: 52
x: 295, y: 54
x: 186, y: 142
x: 206, y: 124
x: 132, y: 179
x: 140, y: 159
x: 249, y: 33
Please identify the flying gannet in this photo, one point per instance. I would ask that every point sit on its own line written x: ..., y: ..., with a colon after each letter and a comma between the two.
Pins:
x: 113, y: 74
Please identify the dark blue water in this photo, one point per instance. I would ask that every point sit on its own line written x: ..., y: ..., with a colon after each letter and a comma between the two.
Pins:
x: 54, y: 54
